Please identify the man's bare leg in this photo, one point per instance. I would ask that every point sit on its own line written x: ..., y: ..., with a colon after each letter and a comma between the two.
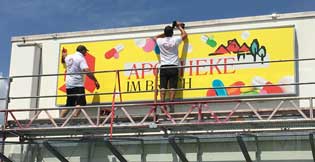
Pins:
x: 64, y: 113
x: 162, y: 95
x: 172, y: 98
x: 77, y: 111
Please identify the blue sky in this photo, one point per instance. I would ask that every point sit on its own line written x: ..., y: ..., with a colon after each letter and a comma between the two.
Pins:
x: 27, y: 17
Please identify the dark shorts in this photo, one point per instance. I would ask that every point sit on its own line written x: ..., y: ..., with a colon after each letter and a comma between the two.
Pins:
x: 76, y: 100
x: 168, y: 76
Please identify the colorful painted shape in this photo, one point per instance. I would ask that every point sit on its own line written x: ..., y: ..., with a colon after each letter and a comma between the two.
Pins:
x: 157, y: 49
x: 235, y: 91
x: 253, y: 92
x: 114, y: 52
x: 247, y: 89
x: 209, y: 40
x: 272, y: 89
x: 259, y: 82
x: 211, y: 93
x: 218, y: 84
x: 149, y: 45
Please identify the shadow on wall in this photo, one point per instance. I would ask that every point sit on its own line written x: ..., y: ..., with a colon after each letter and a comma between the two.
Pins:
x: 96, y: 98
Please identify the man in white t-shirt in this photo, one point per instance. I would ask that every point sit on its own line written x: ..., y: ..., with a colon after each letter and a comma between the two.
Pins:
x: 76, y: 63
x: 169, y: 59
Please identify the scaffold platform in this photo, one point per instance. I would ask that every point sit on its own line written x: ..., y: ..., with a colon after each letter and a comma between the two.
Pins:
x: 197, y: 117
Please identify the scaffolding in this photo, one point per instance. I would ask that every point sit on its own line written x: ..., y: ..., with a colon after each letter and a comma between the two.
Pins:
x: 244, y: 117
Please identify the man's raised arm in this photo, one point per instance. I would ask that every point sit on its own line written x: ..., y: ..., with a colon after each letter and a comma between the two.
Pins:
x: 183, y: 33
x: 162, y: 35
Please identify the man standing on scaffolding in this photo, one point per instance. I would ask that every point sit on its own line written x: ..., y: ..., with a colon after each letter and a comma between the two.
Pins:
x: 169, y: 59
x: 76, y: 63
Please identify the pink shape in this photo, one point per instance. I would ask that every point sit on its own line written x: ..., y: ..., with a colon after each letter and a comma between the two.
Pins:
x: 149, y: 45
x: 116, y: 55
x: 263, y: 92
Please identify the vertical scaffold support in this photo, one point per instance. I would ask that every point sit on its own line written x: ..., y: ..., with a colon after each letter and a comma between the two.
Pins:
x: 243, y: 147
x: 119, y: 155
x: 177, y: 149
x: 52, y: 150
x: 143, y: 154
x: 4, y: 158
x: 311, y: 138
x: 179, y: 152
x: 113, y: 149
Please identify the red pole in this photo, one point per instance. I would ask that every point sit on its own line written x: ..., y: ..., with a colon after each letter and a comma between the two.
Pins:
x: 155, y: 93
x: 113, y: 110
x: 119, y: 87
x: 155, y: 85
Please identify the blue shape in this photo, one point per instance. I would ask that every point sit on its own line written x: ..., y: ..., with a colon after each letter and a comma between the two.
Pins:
x: 217, y: 84
x: 254, y: 47
x: 157, y: 49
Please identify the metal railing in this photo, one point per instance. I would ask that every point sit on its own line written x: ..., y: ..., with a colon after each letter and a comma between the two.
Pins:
x: 195, y: 112
x: 11, y: 78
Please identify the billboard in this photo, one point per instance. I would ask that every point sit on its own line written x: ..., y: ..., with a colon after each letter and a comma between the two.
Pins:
x: 211, y: 57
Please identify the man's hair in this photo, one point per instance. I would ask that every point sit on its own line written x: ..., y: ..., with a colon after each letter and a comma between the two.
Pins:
x: 81, y: 48
x: 168, y: 31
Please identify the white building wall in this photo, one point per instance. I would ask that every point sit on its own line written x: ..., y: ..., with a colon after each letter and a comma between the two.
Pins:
x: 23, y: 61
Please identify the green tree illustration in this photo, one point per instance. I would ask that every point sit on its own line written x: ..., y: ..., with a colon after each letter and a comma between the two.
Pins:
x: 262, y: 53
x: 254, y: 48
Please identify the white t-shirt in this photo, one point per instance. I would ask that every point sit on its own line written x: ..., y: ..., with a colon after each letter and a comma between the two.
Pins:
x: 169, y: 50
x: 75, y: 64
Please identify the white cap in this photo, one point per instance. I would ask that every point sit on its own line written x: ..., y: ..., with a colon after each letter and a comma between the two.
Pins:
x: 204, y: 38
x: 287, y: 88
x: 259, y: 81
x: 140, y: 42
x: 119, y: 47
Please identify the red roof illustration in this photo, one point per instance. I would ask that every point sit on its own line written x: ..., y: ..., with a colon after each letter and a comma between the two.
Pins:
x: 221, y: 50
x: 244, y: 48
x: 233, y: 46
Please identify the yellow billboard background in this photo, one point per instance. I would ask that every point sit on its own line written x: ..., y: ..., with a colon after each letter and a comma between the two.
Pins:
x: 200, y: 49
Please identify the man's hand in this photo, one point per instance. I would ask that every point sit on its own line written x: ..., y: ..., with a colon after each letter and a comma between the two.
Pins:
x: 180, y: 24
x: 64, y: 55
x: 97, y: 85
x: 91, y: 76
